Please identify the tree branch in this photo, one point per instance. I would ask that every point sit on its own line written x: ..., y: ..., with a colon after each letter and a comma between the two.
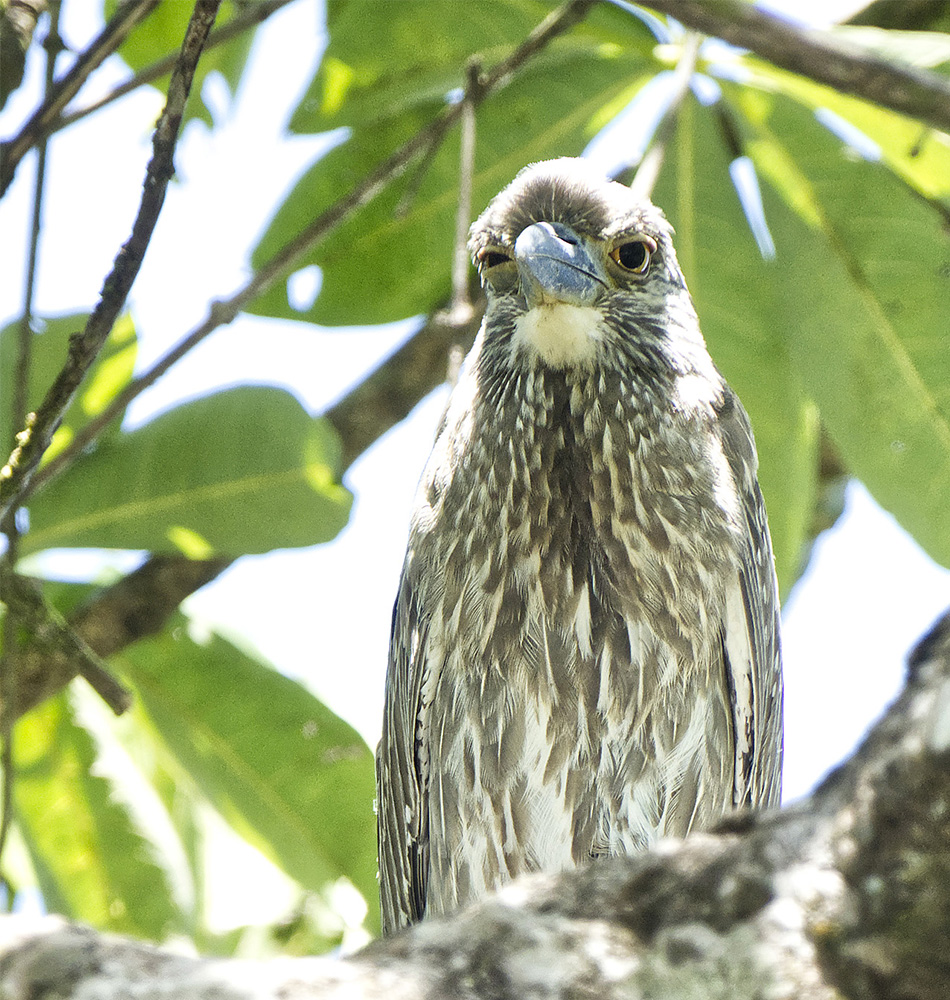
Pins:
x: 842, y: 895
x: 113, y: 34
x: 84, y: 347
x: 137, y: 606
x: 43, y: 635
x: 388, y: 394
x: 818, y: 55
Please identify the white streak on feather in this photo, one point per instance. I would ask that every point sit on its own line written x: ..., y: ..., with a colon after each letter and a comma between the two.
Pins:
x: 739, y: 652
x: 582, y: 623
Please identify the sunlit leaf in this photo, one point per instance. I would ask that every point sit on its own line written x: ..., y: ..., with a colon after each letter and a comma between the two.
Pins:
x: 865, y: 306
x: 243, y: 470
x: 288, y: 774
x: 91, y: 861
x: 917, y: 153
x: 738, y: 297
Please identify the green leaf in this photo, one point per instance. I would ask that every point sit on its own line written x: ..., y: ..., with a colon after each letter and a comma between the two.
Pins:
x: 91, y: 861
x: 918, y: 154
x: 737, y: 294
x: 49, y: 346
x: 288, y: 774
x: 162, y: 33
x: 391, y: 259
x: 360, y: 82
x: 865, y: 306
x: 242, y: 471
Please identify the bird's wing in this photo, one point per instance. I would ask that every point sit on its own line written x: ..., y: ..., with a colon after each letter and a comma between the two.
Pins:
x: 401, y: 813
x: 753, y: 658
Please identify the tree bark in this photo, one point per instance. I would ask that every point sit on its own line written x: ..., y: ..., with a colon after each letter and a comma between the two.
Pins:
x: 843, y: 895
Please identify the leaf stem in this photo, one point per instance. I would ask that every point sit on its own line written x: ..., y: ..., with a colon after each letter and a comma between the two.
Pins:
x: 648, y: 172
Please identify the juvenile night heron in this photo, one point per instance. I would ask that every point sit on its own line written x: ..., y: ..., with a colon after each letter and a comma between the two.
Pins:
x: 585, y: 644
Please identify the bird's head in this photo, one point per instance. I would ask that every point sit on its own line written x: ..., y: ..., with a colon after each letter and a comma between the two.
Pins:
x: 571, y: 260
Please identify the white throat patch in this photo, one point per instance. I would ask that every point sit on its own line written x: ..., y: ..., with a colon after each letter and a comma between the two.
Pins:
x: 561, y: 334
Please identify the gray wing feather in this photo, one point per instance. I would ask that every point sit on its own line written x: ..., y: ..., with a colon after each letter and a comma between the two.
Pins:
x: 401, y: 813
x: 751, y: 639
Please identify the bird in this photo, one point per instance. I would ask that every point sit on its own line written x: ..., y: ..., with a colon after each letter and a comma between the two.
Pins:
x: 585, y: 652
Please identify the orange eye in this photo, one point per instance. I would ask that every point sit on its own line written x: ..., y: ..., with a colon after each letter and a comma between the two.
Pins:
x: 634, y: 256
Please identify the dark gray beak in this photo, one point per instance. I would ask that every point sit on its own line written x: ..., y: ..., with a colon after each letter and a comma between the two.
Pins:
x: 555, y: 266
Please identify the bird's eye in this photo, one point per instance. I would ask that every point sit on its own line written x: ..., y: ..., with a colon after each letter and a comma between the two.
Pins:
x: 634, y: 256
x: 492, y: 258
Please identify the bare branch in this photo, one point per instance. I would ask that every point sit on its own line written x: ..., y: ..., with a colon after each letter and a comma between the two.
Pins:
x: 43, y: 634
x: 223, y: 312
x: 126, y: 18
x: 388, y: 395
x: 818, y: 55
x: 137, y: 606
x: 460, y: 311
x: 84, y: 347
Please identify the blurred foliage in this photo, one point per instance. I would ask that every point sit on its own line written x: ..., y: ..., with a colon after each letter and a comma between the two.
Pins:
x: 828, y: 313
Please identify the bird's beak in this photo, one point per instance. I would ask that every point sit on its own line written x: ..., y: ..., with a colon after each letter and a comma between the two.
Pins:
x: 555, y: 266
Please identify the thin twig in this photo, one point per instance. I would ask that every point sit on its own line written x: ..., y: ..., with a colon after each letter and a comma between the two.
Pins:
x: 819, y: 56
x: 223, y: 312
x: 110, y: 38
x: 9, y: 654
x: 461, y: 309
x: 84, y: 347
x: 138, y: 605
x: 53, y: 44
x: 649, y: 170
x: 249, y: 17
x: 50, y: 638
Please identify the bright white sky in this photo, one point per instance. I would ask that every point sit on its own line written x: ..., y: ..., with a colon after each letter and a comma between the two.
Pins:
x: 323, y: 614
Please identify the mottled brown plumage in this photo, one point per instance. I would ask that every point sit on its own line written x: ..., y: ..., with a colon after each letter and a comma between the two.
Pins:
x: 585, y: 648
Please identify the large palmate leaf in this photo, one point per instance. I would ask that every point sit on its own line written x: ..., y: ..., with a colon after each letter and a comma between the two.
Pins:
x: 288, y: 774
x: 865, y: 304
x: 737, y: 293
x: 92, y: 863
x: 392, y: 258
x: 241, y: 471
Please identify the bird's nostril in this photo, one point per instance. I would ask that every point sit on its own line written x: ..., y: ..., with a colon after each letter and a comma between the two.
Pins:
x: 565, y: 234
